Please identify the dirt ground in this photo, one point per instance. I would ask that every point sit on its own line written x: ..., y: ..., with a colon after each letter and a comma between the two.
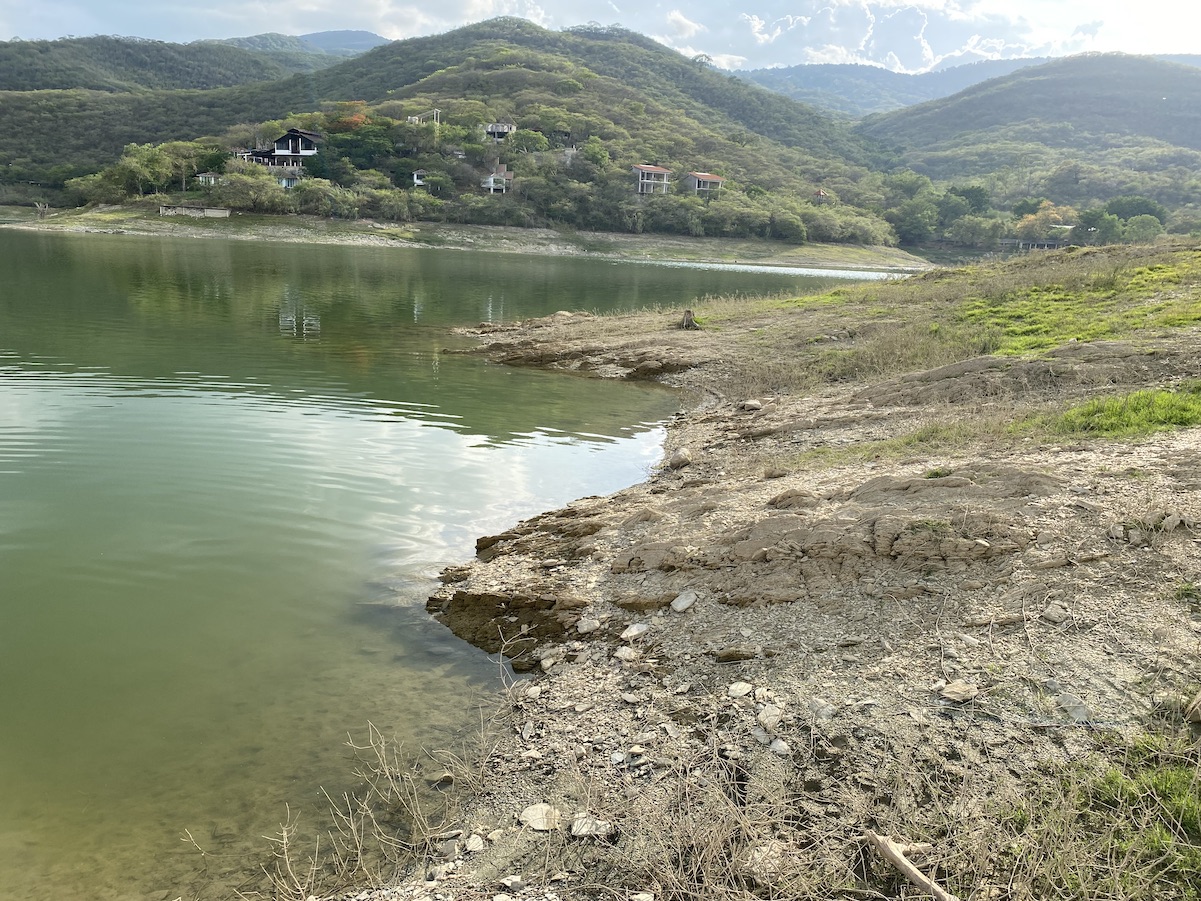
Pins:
x: 741, y: 665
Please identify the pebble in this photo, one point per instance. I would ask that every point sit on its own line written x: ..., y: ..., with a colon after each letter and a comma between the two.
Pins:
x: 584, y: 826
x: 739, y: 690
x: 635, y: 630
x: 769, y: 717
x: 680, y: 458
x: 540, y: 818
x: 781, y: 747
x: 1074, y: 707
x: 626, y: 653
x: 683, y: 601
x: 513, y: 883
x: 474, y: 844
x: 1056, y: 613
x: 822, y: 709
x: 585, y: 626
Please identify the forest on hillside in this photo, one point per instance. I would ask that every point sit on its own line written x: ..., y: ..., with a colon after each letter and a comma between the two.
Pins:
x: 966, y: 173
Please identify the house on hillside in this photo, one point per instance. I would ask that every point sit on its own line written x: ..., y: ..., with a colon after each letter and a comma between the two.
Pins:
x: 419, y: 177
x: 285, y: 158
x: 294, y: 147
x: 703, y: 183
x: 652, y: 179
x: 498, y: 182
x: 498, y: 131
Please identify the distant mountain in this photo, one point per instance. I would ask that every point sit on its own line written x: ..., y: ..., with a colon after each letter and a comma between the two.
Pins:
x: 1076, y: 130
x: 858, y: 90
x: 104, y: 63
x: 329, y: 43
x: 344, y: 43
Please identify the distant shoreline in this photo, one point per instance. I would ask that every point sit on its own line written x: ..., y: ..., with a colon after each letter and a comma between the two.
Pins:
x: 493, y: 239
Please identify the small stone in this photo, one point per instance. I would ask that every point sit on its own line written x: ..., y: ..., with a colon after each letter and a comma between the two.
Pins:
x: 540, y: 818
x: 680, y: 459
x: 630, y: 698
x: 959, y: 691
x: 683, y: 601
x: 626, y: 653
x: 587, y: 826
x: 1074, y: 707
x: 752, y: 405
x: 735, y: 653
x: 502, y: 897
x: 642, y: 896
x: 739, y: 690
x: 1117, y: 532
x: 635, y: 630
x: 822, y: 709
x: 1056, y: 613
x: 474, y: 844
x: 513, y: 883
x: 781, y: 747
x: 769, y: 717
x: 587, y: 625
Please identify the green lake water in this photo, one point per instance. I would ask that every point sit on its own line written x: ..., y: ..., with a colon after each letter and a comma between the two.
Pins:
x: 229, y: 472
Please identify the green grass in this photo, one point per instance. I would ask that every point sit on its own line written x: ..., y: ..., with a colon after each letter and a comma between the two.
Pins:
x: 1132, y: 415
x: 1123, y: 824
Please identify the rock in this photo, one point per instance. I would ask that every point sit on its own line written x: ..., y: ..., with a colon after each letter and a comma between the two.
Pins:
x: 822, y: 709
x: 1074, y: 707
x: 587, y: 625
x: 752, y: 405
x: 1056, y: 613
x: 739, y: 690
x: 680, y: 459
x: 513, y: 883
x: 626, y: 654
x: 586, y: 826
x: 959, y: 691
x: 630, y: 698
x: 781, y: 747
x: 540, y: 818
x: 642, y: 896
x: 769, y: 717
x: 735, y: 653
x: 683, y: 601
x: 474, y: 844
x: 635, y: 630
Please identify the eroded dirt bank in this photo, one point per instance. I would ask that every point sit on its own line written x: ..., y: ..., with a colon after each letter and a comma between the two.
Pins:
x: 773, y: 645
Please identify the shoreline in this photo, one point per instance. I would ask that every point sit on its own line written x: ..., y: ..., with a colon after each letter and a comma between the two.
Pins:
x: 490, y: 239
x: 783, y: 651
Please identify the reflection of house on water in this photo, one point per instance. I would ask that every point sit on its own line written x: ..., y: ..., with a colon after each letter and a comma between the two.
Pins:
x: 494, y: 309
x: 297, y: 322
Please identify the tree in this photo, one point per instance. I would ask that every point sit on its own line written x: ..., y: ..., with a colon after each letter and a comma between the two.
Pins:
x: 1096, y: 226
x: 1143, y: 229
x: 526, y: 141
x: 1038, y: 226
x: 1130, y: 205
x: 976, y: 195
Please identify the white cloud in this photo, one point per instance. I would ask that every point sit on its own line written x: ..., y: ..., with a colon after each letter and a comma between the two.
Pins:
x: 910, y: 34
x: 682, y: 26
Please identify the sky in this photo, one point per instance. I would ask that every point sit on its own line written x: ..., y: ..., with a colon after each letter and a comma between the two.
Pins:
x: 912, y: 36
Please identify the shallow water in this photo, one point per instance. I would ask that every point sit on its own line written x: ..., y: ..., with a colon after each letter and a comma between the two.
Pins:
x: 217, y: 461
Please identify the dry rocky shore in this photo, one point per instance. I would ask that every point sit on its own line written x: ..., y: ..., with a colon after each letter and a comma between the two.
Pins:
x: 744, y: 665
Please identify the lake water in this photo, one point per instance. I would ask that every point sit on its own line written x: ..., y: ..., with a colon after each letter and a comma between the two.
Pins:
x: 228, y: 474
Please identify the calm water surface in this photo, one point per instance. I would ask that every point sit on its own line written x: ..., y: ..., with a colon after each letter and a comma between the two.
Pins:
x: 228, y: 473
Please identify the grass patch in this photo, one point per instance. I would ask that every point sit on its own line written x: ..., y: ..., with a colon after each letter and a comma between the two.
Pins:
x: 1132, y: 415
x: 1129, y: 828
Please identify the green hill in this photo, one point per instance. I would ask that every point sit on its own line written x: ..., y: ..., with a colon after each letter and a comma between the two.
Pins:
x: 52, y: 135
x: 1077, y: 130
x: 118, y: 64
x: 859, y: 90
